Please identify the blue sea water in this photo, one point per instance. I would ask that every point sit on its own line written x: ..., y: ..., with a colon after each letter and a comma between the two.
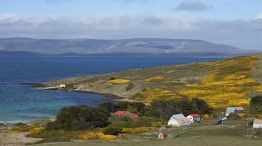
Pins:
x: 19, y: 102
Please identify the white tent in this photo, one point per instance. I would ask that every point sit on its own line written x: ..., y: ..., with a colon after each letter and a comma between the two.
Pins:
x: 178, y: 120
x: 177, y: 116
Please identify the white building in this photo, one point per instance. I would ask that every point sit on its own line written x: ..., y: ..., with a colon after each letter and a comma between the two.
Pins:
x: 62, y: 85
x: 257, y: 123
x: 178, y: 120
x: 240, y: 109
x: 194, y: 118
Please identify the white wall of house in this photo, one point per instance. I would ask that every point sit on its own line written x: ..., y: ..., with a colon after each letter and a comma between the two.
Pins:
x: 192, y: 119
x: 257, y: 123
x: 257, y: 126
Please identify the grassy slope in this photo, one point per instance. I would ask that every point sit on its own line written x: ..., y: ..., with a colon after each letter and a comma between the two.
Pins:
x: 221, y: 83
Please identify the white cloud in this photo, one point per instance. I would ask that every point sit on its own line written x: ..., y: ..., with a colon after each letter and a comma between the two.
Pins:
x: 259, y: 16
x: 244, y: 34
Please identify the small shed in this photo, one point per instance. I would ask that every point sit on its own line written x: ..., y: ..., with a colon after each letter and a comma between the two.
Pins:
x: 231, y: 110
x: 194, y: 118
x: 178, y: 120
x: 234, y: 110
x: 127, y: 114
x: 257, y: 124
x: 240, y: 109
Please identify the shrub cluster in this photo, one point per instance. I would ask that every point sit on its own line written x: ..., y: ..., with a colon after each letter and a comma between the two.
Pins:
x: 130, y: 86
x: 112, y: 130
x: 79, y: 118
x: 134, y: 107
x: 165, y: 109
x: 96, y: 135
x: 256, y: 104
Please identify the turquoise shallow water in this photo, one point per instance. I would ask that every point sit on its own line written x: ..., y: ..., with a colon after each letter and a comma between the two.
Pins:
x: 19, y: 102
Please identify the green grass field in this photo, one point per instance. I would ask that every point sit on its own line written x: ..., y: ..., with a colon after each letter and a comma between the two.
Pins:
x: 197, y: 140
x: 233, y: 133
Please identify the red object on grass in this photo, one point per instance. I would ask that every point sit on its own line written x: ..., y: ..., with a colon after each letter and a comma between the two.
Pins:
x: 127, y: 113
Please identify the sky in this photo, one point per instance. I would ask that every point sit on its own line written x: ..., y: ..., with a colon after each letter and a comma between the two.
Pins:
x: 233, y: 22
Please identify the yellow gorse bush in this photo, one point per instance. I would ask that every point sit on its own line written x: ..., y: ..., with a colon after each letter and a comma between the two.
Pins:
x: 20, y: 129
x: 96, y: 135
x: 36, y: 130
x: 208, y: 117
x: 155, y: 79
x: 150, y: 95
x: 102, y: 136
x: 136, y: 130
x: 92, y: 85
x: 227, y: 85
x: 119, y: 81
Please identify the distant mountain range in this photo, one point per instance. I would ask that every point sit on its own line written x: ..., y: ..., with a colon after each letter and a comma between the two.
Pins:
x: 155, y: 46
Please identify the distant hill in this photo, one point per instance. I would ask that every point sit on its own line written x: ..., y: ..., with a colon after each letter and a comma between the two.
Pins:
x: 136, y: 46
x: 17, y: 54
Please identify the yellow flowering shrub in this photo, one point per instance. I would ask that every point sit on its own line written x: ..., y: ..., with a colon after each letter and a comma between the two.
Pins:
x: 136, y: 130
x: 227, y: 85
x: 88, y: 136
x: 258, y: 88
x: 102, y: 136
x: 244, y: 115
x: 92, y: 84
x: 196, y: 92
x: 36, y: 130
x: 152, y: 94
x: 96, y: 135
x: 207, y: 117
x: 119, y: 81
x: 155, y: 79
x: 20, y: 129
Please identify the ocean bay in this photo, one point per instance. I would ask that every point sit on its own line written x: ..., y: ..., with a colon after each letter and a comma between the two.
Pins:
x: 20, y: 102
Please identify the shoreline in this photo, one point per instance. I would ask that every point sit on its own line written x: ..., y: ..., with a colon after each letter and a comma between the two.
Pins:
x: 41, y: 86
x: 27, y: 122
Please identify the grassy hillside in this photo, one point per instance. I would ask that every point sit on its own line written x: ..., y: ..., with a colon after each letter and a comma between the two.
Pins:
x: 230, y: 82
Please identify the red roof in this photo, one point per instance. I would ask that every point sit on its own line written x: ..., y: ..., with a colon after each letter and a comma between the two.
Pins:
x: 127, y: 113
x: 120, y: 113
x: 195, y: 115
